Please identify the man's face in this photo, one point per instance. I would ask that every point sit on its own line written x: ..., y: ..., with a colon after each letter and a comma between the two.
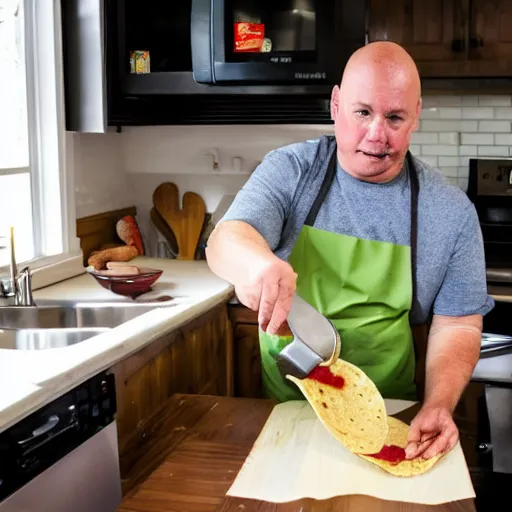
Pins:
x: 374, y: 118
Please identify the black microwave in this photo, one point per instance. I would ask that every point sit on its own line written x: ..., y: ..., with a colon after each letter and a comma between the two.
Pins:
x: 274, y: 42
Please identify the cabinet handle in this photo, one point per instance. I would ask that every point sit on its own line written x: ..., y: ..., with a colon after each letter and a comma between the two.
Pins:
x: 458, y: 45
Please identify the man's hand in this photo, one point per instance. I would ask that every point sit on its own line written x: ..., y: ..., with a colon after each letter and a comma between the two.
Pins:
x: 269, y: 292
x: 432, y: 431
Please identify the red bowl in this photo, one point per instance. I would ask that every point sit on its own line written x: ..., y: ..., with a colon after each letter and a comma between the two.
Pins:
x: 130, y: 286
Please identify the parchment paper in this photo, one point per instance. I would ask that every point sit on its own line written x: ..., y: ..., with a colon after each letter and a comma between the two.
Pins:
x: 295, y: 457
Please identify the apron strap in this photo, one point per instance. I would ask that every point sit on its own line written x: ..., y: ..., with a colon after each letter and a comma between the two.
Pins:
x: 415, y: 190
x: 415, y: 187
x: 324, y: 189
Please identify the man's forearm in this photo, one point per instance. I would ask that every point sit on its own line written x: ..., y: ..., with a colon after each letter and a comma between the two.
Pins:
x: 234, y: 249
x: 453, y: 351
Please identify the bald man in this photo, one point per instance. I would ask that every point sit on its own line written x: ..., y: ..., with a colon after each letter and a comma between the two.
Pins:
x: 374, y: 239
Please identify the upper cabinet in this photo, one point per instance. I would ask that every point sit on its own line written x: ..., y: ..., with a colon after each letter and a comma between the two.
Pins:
x: 448, y: 38
x: 490, y: 37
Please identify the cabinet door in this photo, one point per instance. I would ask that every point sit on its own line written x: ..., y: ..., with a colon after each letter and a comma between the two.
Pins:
x: 247, y: 361
x: 434, y: 33
x: 490, y: 37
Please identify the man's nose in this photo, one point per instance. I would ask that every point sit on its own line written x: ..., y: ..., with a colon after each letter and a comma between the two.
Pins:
x: 377, y: 129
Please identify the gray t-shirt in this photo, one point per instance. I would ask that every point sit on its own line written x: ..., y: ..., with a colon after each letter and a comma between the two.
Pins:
x: 451, y: 277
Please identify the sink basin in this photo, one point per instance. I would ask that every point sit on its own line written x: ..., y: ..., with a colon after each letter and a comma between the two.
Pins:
x: 69, y: 315
x: 41, y: 339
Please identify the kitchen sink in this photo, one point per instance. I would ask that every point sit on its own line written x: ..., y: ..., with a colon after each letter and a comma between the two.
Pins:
x: 72, y: 315
x: 41, y: 339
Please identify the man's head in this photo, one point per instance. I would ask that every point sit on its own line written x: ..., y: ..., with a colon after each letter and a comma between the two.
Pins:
x: 375, y: 110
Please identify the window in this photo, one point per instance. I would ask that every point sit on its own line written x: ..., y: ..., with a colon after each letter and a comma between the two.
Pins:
x: 34, y: 187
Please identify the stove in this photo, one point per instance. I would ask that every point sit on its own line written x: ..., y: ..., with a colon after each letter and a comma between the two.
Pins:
x: 490, y: 190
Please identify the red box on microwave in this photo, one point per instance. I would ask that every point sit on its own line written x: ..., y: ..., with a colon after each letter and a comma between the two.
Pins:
x: 249, y: 37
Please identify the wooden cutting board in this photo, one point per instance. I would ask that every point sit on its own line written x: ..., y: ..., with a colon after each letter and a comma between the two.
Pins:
x: 186, y: 221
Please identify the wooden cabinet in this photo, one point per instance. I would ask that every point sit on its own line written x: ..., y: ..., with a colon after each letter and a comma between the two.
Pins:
x: 448, y: 38
x: 246, y: 352
x: 194, y: 359
x: 489, y: 37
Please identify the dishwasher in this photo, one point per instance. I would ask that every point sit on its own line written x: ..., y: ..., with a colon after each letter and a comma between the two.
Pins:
x: 64, y: 457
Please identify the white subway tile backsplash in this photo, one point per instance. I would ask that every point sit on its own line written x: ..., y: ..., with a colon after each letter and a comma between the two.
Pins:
x: 440, y: 150
x: 451, y: 101
x: 454, y: 129
x: 494, y: 126
x: 494, y: 101
x: 502, y: 139
x: 429, y: 160
x: 415, y: 149
x: 450, y: 113
x: 476, y: 138
x: 448, y: 126
x: 503, y: 113
x: 493, y: 151
x: 424, y: 138
x: 448, y: 161
x: 451, y: 138
x: 470, y: 101
x: 467, y: 150
x: 431, y: 113
x: 478, y: 113
x: 450, y: 172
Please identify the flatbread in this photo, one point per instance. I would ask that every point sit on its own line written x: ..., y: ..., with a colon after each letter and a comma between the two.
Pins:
x: 397, y: 435
x: 354, y: 414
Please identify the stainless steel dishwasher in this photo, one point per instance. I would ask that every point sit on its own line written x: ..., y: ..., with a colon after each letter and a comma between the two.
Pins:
x: 64, y: 457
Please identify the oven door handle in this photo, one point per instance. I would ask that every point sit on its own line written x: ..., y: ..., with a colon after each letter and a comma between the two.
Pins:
x: 500, y: 339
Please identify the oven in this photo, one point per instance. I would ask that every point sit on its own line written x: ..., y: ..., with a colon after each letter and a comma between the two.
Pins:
x: 490, y: 190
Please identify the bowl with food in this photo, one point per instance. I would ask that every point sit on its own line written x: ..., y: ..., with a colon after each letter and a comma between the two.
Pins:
x: 125, y: 279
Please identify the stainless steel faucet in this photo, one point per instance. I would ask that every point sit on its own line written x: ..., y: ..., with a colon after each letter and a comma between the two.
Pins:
x: 19, y: 285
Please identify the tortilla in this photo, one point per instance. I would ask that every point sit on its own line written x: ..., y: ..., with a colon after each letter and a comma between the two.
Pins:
x: 397, y: 436
x: 354, y: 414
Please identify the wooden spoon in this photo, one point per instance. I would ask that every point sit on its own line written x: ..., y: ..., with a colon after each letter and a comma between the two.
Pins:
x: 187, y: 222
x: 164, y: 229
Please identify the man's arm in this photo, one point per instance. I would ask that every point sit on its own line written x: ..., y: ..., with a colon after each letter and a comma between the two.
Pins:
x: 263, y: 282
x: 236, y: 250
x: 452, y: 354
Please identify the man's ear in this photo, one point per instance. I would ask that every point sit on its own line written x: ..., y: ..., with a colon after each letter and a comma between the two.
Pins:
x: 418, y: 115
x: 335, y: 99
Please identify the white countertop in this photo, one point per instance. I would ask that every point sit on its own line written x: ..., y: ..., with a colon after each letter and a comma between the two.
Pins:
x: 32, y: 378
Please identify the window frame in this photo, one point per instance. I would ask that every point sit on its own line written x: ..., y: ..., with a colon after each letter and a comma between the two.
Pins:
x: 51, y: 155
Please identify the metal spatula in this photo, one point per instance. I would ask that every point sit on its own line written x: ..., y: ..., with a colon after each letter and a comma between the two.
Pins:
x: 316, y: 341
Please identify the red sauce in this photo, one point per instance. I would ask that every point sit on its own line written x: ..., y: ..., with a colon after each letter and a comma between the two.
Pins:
x: 325, y: 376
x: 391, y: 453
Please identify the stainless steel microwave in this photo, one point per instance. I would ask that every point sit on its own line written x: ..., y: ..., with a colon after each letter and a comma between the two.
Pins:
x: 274, y: 42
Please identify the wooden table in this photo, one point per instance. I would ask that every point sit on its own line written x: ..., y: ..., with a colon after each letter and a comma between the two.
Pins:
x: 203, y: 441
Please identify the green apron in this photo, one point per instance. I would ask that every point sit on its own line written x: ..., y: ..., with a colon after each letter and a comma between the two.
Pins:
x: 365, y: 288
